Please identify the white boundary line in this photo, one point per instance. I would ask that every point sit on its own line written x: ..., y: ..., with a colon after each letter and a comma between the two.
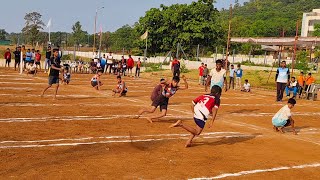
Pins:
x: 242, y: 173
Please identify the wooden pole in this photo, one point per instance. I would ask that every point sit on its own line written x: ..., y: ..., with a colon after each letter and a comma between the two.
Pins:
x: 229, y: 34
x: 94, y: 33
x: 295, y: 47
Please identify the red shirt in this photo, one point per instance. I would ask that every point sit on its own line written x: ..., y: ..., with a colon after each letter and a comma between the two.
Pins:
x: 130, y: 62
x: 201, y: 71
x: 38, y: 57
x: 7, y: 55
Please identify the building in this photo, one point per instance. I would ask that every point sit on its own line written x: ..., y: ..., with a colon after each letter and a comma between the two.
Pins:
x: 308, y: 22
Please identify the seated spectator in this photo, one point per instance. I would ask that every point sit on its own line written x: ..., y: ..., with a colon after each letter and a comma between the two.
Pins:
x: 309, y: 80
x: 31, y: 68
x: 293, y: 86
x: 93, y: 67
x: 246, y: 87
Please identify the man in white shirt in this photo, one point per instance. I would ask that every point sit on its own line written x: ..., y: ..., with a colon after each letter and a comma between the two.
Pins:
x: 283, y: 117
x: 96, y: 57
x: 109, y: 62
x: 217, y: 77
x: 292, y: 87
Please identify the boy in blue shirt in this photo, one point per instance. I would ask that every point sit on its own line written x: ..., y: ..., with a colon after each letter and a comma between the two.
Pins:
x: 239, y: 74
x: 282, y: 80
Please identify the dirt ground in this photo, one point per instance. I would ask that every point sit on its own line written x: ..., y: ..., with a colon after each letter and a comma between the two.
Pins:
x: 87, y: 134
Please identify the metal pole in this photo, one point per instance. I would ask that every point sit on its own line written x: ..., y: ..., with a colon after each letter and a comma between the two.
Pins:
x: 229, y: 35
x: 216, y: 57
x: 233, y: 53
x: 295, y: 47
x: 177, y: 54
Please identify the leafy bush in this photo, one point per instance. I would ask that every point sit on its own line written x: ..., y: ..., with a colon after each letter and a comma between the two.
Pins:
x: 151, y: 67
x: 184, y: 68
x: 302, y: 61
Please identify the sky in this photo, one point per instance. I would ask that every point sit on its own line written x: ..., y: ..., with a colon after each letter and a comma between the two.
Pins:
x: 64, y: 13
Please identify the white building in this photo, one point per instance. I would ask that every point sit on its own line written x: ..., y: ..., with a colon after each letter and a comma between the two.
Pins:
x: 308, y: 22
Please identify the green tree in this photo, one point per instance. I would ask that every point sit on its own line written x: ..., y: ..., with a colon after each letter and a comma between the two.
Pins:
x: 316, y: 30
x: 78, y: 35
x: 33, y: 25
x: 124, y: 37
x: 302, y: 61
x: 3, y: 34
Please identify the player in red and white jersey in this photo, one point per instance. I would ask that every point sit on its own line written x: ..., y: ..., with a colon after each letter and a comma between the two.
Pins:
x: 202, y: 107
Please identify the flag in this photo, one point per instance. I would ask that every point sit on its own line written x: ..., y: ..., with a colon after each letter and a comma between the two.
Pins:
x: 49, y: 23
x: 144, y: 36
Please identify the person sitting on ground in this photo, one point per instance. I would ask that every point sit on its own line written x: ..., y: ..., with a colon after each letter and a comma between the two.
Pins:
x: 246, y: 86
x: 66, y: 77
x: 283, y: 117
x: 293, y: 86
x: 95, y: 81
x: 31, y: 69
x: 121, y: 88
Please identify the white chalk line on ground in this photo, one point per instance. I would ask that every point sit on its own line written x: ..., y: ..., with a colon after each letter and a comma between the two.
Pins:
x: 116, y: 139
x: 243, y: 173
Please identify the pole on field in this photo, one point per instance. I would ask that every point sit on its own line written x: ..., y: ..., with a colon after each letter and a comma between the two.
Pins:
x: 198, y: 52
x: 229, y: 36
x: 21, y: 61
x: 177, y: 53
x: 295, y: 48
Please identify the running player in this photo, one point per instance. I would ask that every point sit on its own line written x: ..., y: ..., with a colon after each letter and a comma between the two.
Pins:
x: 121, y: 88
x: 163, y: 99
x: 202, y: 107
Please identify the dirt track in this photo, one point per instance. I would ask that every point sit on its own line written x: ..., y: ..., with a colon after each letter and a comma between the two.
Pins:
x: 90, y: 135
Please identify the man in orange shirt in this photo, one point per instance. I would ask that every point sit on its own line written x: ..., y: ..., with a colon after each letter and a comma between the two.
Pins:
x: 301, y: 82
x: 309, y: 80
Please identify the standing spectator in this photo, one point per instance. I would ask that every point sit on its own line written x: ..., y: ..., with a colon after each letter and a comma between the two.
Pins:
x: 7, y: 56
x: 93, y: 67
x: 201, y: 68
x: 130, y: 63
x: 17, y: 56
x: 109, y: 62
x: 232, y: 72
x: 124, y: 66
x: 96, y: 57
x: 282, y: 80
x: 59, y: 53
x: 47, y: 60
x: 38, y: 59
x: 33, y: 56
x: 239, y: 74
x: 205, y: 74
x: 28, y: 56
x: 103, y: 63
x: 309, y: 80
x: 175, y: 67
x: 138, y: 66
x: 301, y: 83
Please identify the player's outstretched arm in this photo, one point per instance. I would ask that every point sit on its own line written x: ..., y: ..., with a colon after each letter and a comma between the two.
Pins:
x: 292, y: 126
x: 214, y: 114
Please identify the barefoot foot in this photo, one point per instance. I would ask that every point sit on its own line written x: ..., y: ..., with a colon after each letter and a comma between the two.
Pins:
x: 177, y: 124
x: 149, y: 119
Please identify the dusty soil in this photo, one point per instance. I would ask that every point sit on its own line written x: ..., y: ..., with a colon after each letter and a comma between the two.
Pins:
x: 87, y: 134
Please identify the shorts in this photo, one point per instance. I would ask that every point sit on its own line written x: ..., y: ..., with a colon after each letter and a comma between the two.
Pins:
x: 199, y: 122
x: 66, y: 81
x: 161, y: 101
x: 130, y: 67
x: 124, y: 92
x: 8, y: 61
x: 94, y: 83
x: 279, y: 123
x: 38, y: 63
x: 53, y: 80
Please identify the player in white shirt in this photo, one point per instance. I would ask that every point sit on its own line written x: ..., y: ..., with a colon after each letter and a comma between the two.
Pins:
x: 246, y: 86
x: 217, y: 76
x: 283, y: 117
x: 202, y: 107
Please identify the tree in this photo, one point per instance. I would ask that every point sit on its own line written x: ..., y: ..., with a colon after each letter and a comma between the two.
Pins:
x: 123, y: 38
x: 3, y: 34
x: 78, y: 35
x: 316, y: 30
x: 302, y: 61
x: 33, y: 25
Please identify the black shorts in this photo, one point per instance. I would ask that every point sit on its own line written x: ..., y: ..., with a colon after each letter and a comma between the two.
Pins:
x: 199, y: 122
x: 161, y: 101
x: 8, y: 61
x: 53, y: 80
x: 17, y: 61
x: 288, y: 123
x: 37, y: 62
x: 94, y: 83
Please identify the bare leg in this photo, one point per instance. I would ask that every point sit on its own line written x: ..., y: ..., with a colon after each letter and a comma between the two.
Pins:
x: 45, y: 90
x: 194, y: 131
x: 281, y: 129
x: 56, y: 92
x: 163, y: 113
x: 150, y: 110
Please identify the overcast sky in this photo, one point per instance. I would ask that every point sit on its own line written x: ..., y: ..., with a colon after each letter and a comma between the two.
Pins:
x: 65, y: 13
